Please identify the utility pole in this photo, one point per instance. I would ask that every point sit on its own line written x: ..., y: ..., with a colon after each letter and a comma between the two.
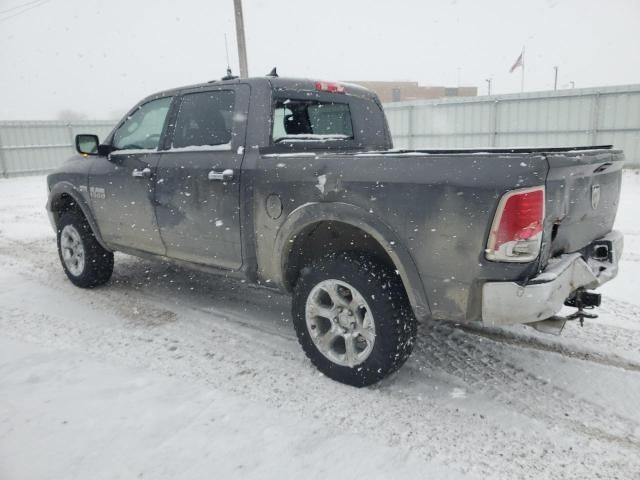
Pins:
x: 488, y: 80
x: 555, y: 78
x: 242, y: 44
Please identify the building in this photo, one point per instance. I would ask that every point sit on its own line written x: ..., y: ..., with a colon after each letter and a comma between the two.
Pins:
x: 405, y: 91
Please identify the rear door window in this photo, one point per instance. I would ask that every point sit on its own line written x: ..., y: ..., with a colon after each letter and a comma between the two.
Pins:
x: 311, y: 120
x: 204, y: 119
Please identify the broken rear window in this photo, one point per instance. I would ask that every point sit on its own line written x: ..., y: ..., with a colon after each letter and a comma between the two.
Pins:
x: 311, y: 120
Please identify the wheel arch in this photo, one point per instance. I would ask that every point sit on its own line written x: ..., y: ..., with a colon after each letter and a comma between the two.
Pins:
x: 65, y: 196
x: 377, y: 237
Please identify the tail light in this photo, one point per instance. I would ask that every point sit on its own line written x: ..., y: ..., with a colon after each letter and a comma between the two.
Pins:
x: 516, y: 232
x: 329, y: 87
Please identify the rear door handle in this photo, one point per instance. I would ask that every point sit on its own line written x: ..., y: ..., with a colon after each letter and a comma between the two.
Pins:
x: 223, y: 176
x: 144, y: 173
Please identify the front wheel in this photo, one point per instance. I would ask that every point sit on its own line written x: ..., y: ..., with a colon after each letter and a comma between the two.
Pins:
x: 86, y: 263
x: 353, y: 319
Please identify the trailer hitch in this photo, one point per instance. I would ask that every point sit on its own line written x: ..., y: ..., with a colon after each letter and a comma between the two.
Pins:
x: 583, y: 300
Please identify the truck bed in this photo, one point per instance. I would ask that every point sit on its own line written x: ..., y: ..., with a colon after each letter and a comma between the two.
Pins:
x: 440, y: 204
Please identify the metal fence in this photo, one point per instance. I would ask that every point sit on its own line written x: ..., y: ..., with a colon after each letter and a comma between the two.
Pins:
x: 588, y: 116
x: 30, y: 147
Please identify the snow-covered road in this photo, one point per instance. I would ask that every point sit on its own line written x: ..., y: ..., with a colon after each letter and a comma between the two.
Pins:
x: 165, y: 373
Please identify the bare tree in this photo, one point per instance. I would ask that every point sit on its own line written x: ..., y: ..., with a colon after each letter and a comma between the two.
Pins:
x: 69, y: 115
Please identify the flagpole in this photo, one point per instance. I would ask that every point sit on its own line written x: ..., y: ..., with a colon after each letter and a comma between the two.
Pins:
x: 522, y: 73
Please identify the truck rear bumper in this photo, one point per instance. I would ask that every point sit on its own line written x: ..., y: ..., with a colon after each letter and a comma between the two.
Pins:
x: 543, y: 296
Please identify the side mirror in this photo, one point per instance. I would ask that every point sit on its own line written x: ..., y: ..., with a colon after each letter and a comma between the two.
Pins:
x: 87, y: 144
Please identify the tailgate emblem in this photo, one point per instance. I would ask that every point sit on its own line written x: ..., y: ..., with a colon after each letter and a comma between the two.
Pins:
x: 595, y: 196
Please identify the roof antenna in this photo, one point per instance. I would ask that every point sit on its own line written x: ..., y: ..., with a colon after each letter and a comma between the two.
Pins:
x: 229, y: 75
x: 272, y: 73
x: 226, y: 49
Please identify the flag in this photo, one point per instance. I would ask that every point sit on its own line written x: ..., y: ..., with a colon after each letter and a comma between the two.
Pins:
x: 519, y: 62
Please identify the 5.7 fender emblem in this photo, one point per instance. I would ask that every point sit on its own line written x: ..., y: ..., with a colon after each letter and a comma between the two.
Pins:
x: 595, y: 196
x: 96, y: 193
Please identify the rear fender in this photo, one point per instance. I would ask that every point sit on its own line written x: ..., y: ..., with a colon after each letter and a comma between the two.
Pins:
x: 311, y: 213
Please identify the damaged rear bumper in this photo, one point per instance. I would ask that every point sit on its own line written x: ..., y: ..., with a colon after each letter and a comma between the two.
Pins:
x: 543, y: 296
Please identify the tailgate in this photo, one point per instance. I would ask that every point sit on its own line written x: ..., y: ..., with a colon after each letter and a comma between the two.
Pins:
x: 582, y: 195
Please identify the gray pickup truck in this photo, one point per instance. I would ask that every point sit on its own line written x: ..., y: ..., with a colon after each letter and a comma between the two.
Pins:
x: 294, y: 184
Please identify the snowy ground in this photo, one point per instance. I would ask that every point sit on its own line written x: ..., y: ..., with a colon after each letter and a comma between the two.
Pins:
x: 165, y: 374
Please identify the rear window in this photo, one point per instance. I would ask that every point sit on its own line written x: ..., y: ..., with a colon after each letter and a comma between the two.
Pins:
x: 311, y: 120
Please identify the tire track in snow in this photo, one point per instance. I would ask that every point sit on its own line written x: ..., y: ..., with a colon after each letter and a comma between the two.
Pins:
x: 579, y: 346
x: 269, y: 374
x: 440, y: 345
x: 272, y: 363
x: 594, y: 343
x: 482, y: 366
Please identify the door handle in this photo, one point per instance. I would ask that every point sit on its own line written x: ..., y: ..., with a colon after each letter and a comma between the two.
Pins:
x: 224, y: 176
x: 144, y: 173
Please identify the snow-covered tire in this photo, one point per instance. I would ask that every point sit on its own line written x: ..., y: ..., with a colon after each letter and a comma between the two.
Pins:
x: 352, y: 318
x: 86, y: 263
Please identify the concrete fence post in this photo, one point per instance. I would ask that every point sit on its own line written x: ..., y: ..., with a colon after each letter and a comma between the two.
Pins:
x: 3, y: 161
x: 595, y: 114
x: 72, y: 139
x: 410, y: 132
x: 494, y: 128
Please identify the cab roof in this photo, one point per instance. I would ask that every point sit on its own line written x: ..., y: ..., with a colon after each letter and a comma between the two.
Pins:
x: 275, y: 83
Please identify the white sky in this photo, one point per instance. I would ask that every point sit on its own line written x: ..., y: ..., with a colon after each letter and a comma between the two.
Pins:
x: 99, y: 58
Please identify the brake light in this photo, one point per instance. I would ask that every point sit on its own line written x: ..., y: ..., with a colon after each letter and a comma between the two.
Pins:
x: 329, y: 87
x: 516, y: 232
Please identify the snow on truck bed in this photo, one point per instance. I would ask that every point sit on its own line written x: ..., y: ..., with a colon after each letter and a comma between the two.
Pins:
x: 166, y: 373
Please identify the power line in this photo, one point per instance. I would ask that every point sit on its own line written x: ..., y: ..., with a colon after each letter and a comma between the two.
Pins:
x: 26, y: 4
x: 29, y: 6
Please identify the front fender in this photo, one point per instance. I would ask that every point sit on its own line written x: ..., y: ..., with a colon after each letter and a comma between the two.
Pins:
x: 56, y: 196
x: 311, y: 213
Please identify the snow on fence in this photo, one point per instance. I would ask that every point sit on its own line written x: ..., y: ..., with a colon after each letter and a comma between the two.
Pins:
x: 587, y: 116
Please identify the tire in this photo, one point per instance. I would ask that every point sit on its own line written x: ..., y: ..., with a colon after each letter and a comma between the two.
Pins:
x: 371, y: 294
x: 86, y: 263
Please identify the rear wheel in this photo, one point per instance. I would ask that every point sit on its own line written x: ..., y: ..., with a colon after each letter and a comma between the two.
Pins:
x: 353, y: 319
x: 86, y: 263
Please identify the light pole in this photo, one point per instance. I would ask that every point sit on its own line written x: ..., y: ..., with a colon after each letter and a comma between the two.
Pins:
x: 488, y: 80
x: 555, y: 78
x: 242, y: 44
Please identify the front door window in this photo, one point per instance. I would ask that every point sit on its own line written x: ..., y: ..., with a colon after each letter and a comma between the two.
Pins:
x: 142, y: 129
